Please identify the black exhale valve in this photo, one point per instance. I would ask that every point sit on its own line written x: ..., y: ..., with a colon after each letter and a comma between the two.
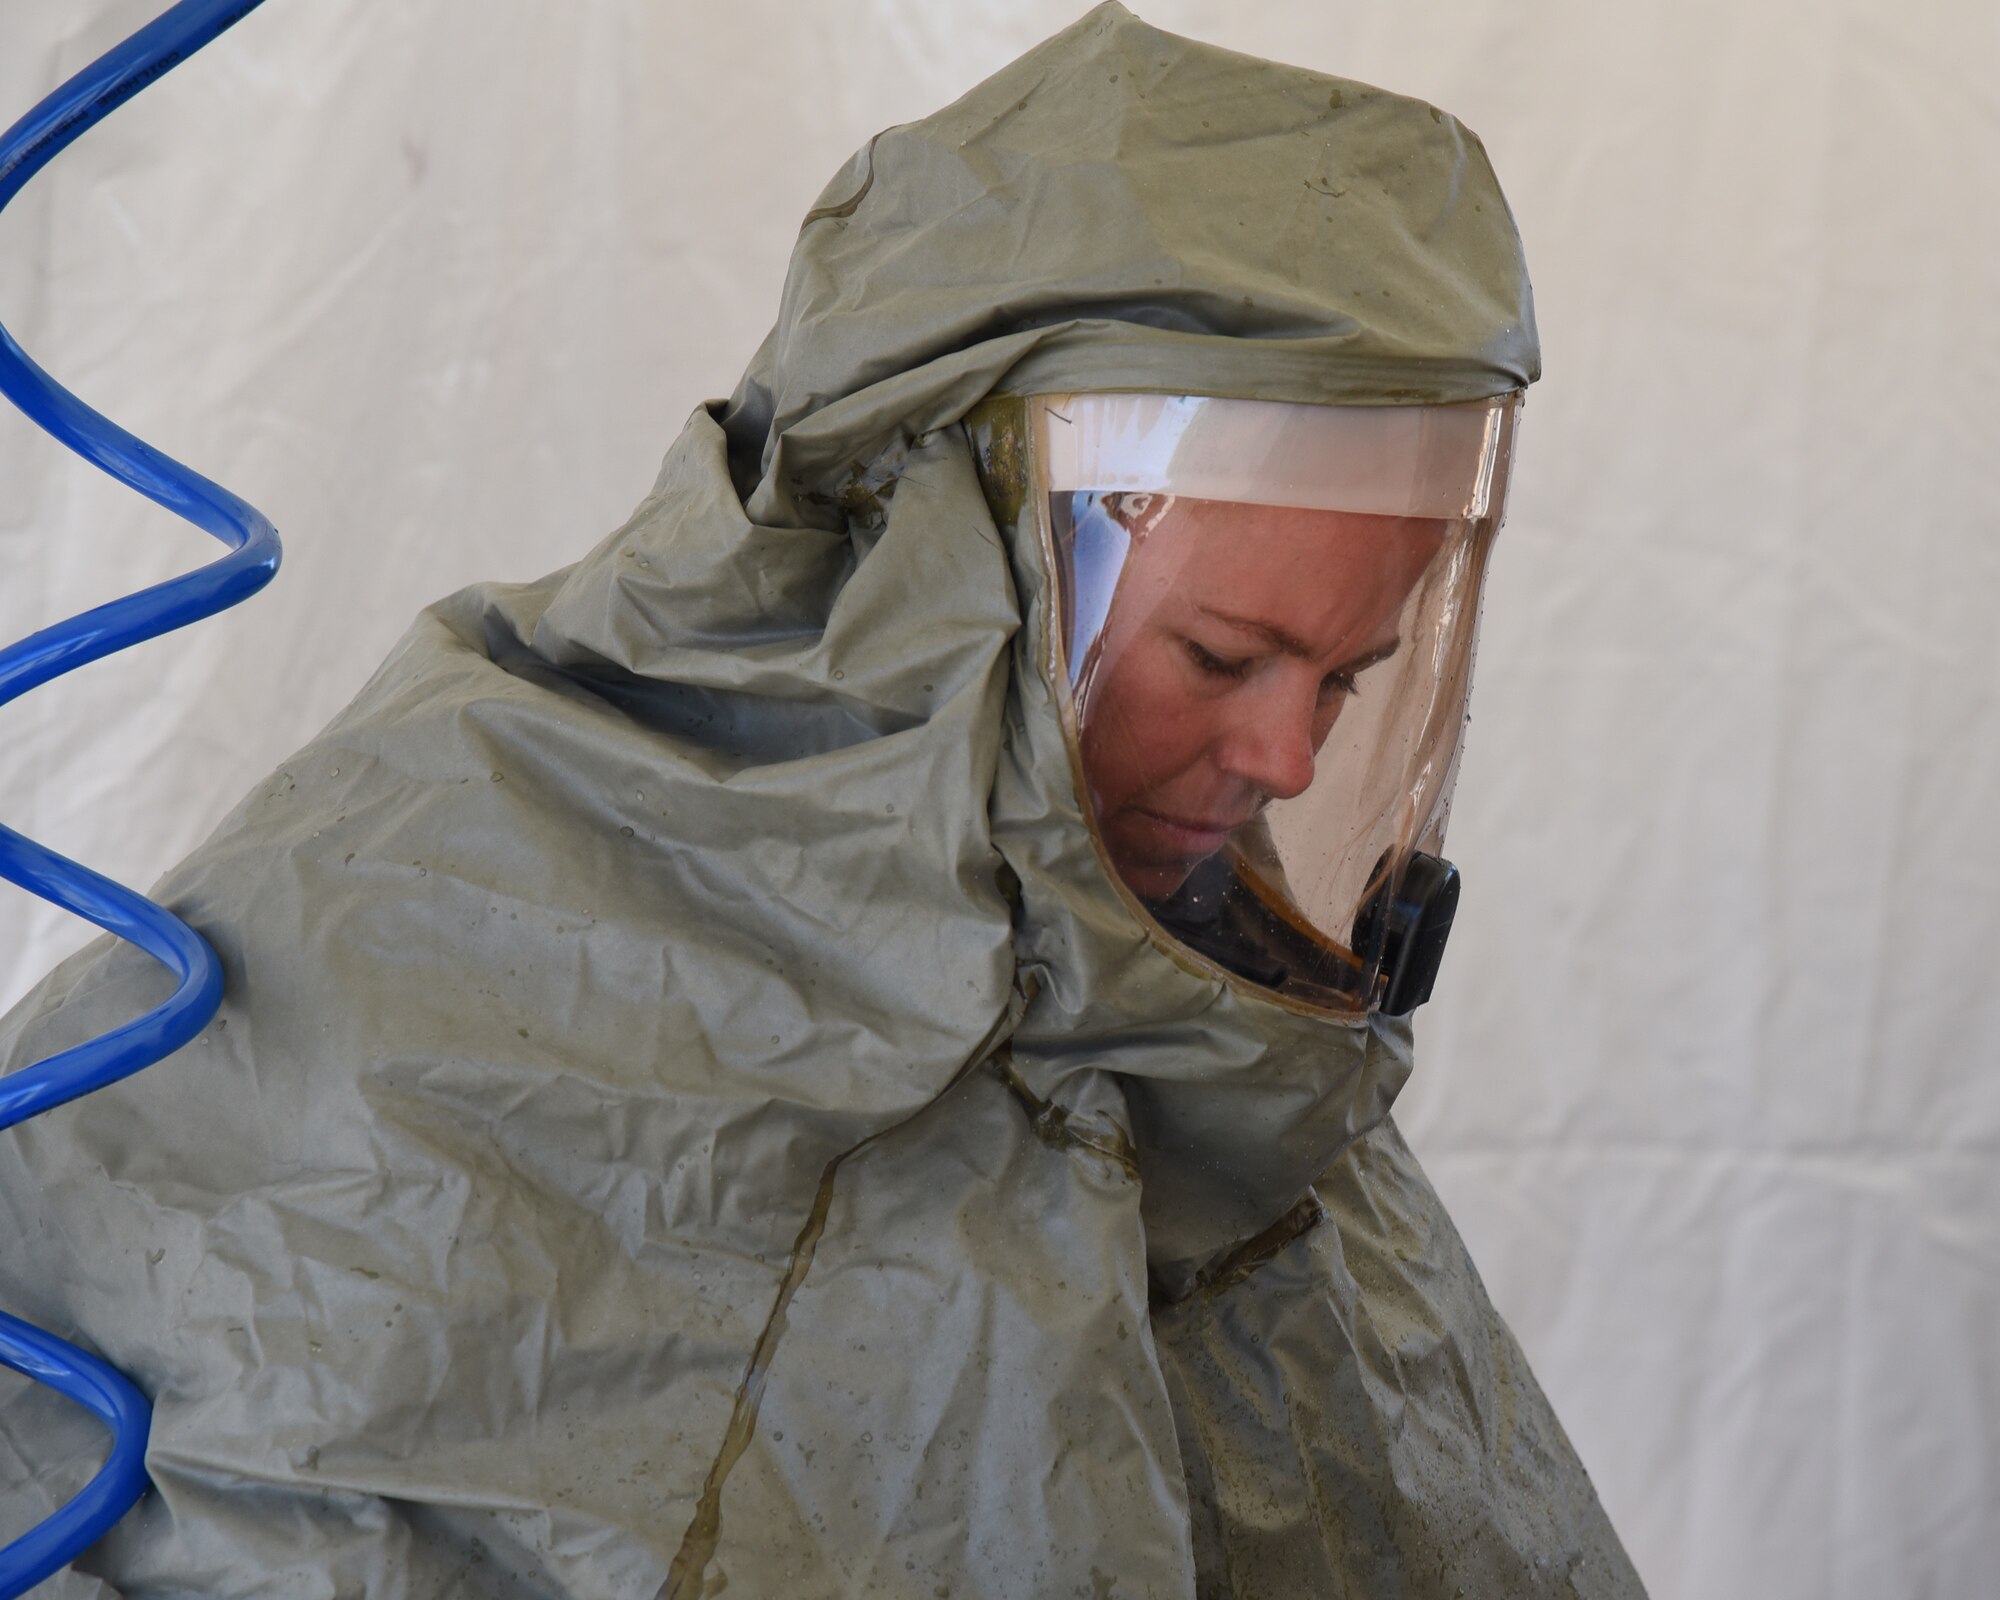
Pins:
x: 1404, y: 926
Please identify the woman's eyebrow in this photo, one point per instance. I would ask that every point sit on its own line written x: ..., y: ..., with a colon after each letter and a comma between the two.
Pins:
x: 1291, y: 645
x: 1374, y: 658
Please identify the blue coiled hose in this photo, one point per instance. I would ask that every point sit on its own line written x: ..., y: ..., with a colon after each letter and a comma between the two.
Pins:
x: 252, y: 560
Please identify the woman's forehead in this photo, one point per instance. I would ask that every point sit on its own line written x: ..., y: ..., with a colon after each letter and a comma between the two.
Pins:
x: 1305, y: 581
x: 1215, y: 547
x: 1234, y: 522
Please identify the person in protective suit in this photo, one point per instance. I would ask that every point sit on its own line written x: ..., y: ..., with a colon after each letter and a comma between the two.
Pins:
x: 843, y: 1044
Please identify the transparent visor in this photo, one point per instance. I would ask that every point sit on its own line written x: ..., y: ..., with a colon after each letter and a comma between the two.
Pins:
x: 1265, y: 617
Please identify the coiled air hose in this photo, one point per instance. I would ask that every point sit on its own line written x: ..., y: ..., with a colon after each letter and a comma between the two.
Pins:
x: 252, y: 560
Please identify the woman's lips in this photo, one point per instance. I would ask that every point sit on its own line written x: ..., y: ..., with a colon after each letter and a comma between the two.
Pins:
x: 1189, y: 836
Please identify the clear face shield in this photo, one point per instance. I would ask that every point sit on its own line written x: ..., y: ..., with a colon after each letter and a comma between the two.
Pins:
x: 1264, y: 631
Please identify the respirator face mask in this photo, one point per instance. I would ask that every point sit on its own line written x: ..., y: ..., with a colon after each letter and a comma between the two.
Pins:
x: 1263, y: 619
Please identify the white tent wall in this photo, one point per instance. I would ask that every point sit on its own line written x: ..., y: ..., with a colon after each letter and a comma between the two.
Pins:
x: 1709, y: 1083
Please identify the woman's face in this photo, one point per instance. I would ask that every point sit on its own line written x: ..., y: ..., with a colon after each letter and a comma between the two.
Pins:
x: 1232, y: 643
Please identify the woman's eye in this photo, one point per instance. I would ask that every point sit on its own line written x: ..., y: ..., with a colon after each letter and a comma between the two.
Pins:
x: 1232, y: 667
x: 1339, y: 683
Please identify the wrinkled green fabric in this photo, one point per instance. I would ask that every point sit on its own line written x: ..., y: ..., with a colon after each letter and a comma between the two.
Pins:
x: 690, y: 1110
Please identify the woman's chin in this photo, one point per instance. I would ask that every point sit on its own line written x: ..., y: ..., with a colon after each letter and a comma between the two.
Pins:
x: 1155, y: 883
x: 1154, y: 876
x: 1154, y: 853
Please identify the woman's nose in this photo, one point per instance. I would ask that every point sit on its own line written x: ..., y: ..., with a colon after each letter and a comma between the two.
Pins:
x: 1271, y: 745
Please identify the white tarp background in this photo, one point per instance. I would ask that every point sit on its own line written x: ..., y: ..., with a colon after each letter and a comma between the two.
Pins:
x: 1710, y: 1084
